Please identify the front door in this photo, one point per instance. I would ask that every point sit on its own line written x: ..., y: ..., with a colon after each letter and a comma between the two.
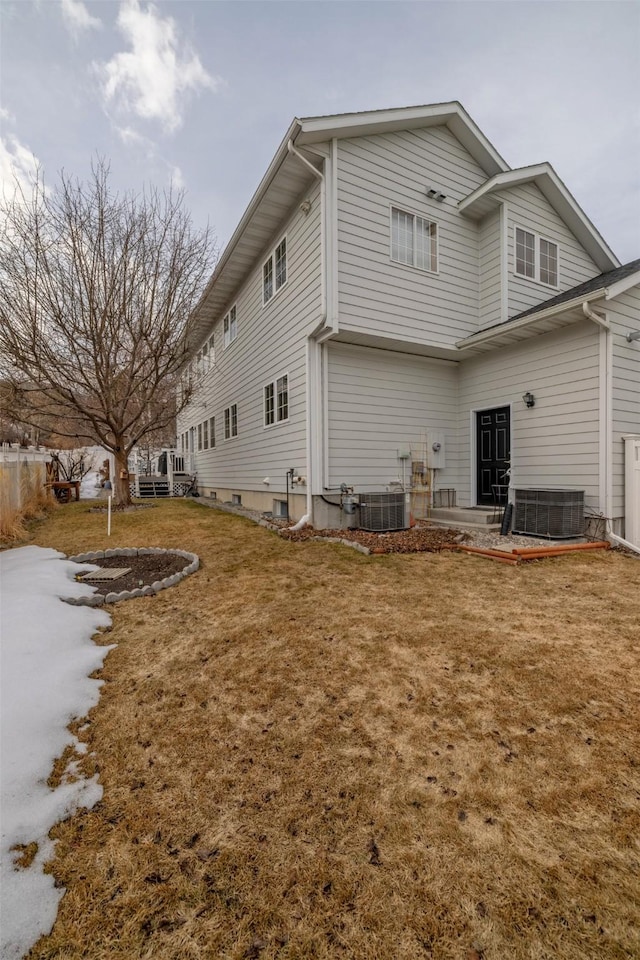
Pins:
x: 493, y: 436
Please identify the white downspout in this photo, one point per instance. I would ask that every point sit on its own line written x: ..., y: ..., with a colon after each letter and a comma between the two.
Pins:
x: 606, y: 451
x: 315, y: 336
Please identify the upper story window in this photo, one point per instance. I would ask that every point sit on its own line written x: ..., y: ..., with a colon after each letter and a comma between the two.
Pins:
x: 276, y: 401
x: 274, y: 271
x: 414, y: 240
x: 230, y: 326
x: 536, y: 258
x: 231, y: 421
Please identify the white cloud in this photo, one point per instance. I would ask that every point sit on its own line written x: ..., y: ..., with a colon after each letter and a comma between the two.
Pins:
x: 152, y: 79
x: 18, y: 168
x: 77, y: 18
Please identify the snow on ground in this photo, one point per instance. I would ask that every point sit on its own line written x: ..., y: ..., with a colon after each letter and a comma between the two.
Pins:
x: 46, y: 654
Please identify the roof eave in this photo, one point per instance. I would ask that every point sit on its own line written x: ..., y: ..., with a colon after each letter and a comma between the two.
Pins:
x: 494, y: 335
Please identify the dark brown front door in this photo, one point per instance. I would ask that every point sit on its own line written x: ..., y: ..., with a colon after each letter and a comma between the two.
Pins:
x: 493, y: 435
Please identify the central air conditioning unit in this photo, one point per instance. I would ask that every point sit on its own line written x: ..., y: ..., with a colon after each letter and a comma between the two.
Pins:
x: 555, y: 514
x: 381, y: 512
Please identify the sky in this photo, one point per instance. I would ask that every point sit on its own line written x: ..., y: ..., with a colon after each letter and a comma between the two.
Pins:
x: 200, y: 94
x: 47, y: 656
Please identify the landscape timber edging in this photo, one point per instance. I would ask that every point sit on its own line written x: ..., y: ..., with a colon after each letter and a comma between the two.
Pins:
x: 98, y: 599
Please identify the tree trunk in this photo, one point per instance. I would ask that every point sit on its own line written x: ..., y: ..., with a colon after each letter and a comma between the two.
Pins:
x: 120, y: 480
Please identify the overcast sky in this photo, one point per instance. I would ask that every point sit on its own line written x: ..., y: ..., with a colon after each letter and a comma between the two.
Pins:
x: 203, y: 92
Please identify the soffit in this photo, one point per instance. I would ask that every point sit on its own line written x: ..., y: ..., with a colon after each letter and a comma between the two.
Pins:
x: 513, y: 333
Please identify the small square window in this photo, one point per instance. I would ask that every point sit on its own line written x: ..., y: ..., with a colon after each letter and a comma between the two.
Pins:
x: 231, y: 422
x: 274, y: 271
x: 236, y: 499
x: 230, y: 325
x: 536, y: 258
x: 276, y: 401
x: 414, y: 240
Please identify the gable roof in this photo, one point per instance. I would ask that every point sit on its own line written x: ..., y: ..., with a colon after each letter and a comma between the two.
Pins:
x: 485, y: 198
x: 286, y: 179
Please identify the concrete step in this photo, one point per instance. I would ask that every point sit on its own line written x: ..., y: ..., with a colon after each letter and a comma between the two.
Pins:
x: 466, y: 516
x: 465, y: 525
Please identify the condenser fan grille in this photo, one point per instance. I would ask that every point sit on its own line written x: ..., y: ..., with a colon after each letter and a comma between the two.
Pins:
x: 556, y: 514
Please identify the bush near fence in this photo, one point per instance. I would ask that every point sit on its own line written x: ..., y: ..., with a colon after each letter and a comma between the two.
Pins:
x: 23, y: 494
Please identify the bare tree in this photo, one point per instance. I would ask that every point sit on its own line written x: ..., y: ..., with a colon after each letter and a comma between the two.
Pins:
x: 97, y: 290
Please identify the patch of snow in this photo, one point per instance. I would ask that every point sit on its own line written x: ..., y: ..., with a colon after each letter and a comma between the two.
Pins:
x: 46, y: 654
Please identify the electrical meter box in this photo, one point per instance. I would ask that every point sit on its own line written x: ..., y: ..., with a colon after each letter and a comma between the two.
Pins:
x: 436, y: 450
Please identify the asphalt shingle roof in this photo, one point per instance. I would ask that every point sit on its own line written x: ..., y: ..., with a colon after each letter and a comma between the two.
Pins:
x: 596, y: 283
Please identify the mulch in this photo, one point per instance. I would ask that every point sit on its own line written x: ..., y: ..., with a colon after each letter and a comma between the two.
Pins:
x: 145, y: 570
x: 418, y: 539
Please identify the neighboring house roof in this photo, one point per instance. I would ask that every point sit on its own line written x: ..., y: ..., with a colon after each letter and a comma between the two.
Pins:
x: 486, y: 198
x: 556, y: 312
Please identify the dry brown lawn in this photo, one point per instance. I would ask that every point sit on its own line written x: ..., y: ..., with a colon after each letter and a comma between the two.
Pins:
x: 309, y: 753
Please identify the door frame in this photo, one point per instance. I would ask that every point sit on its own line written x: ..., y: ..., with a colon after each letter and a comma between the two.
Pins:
x: 473, y: 460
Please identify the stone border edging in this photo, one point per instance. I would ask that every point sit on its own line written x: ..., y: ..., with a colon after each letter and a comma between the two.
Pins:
x: 360, y: 547
x: 98, y: 599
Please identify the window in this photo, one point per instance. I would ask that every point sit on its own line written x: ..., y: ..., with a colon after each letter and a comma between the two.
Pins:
x: 414, y: 240
x: 199, y: 436
x: 230, y: 324
x: 536, y: 258
x: 231, y: 421
x: 205, y: 435
x: 212, y: 432
x: 276, y: 401
x: 274, y: 272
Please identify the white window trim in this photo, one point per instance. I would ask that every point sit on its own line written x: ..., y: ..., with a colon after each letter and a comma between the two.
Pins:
x: 227, y: 343
x: 272, y: 258
x: 232, y: 436
x: 537, y: 237
x: 414, y: 214
x: 274, y: 383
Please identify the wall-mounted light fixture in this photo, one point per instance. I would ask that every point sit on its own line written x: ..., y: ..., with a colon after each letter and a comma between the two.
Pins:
x: 305, y: 206
x: 633, y: 335
x: 529, y: 399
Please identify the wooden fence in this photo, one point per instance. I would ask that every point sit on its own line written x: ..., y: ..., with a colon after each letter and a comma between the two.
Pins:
x: 23, y: 475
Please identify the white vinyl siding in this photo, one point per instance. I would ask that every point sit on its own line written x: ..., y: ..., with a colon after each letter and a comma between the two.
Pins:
x: 624, y: 316
x: 555, y: 443
x: 489, y: 240
x: 380, y: 400
x: 536, y: 258
x: 376, y: 297
x: 272, y: 341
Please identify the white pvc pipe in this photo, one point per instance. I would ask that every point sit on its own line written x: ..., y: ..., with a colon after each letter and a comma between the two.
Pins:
x: 302, y: 522
x: 623, y: 542
x: 109, y: 517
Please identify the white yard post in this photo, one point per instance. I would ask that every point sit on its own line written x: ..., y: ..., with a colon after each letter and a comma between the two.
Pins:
x: 109, y: 516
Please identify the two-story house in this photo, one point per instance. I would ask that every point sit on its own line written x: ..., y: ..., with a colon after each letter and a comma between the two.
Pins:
x: 397, y: 302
